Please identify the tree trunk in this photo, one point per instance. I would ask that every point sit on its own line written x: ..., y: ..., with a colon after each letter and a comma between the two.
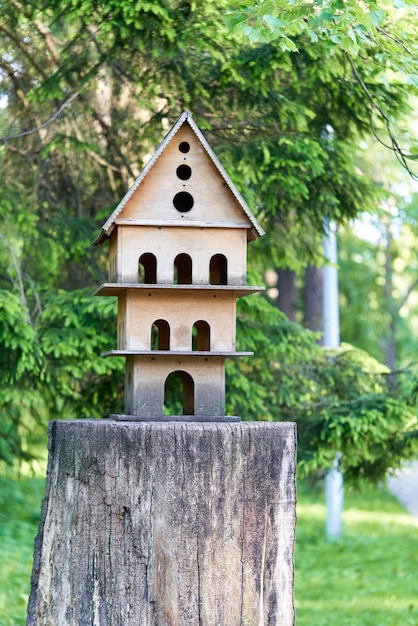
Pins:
x: 287, y: 298
x: 313, y: 311
x: 166, y: 524
x: 390, y: 307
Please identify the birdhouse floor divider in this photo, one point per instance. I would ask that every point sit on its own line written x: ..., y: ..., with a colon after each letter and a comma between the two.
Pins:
x: 171, y: 514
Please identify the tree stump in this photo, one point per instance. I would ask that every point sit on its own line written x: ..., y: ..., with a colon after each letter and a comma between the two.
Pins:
x: 166, y: 524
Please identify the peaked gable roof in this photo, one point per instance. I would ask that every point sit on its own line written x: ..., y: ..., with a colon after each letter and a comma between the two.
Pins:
x: 186, y: 118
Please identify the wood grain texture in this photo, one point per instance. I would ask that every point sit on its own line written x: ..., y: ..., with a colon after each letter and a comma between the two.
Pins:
x: 213, y: 199
x: 166, y: 242
x: 166, y: 524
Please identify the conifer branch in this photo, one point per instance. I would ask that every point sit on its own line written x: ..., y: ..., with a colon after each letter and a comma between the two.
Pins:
x: 44, y: 124
x: 400, y: 154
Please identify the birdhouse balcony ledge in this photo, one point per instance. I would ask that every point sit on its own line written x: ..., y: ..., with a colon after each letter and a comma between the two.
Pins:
x: 115, y: 289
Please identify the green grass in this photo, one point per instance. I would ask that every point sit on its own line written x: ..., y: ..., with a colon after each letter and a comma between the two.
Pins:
x: 369, y: 578
x: 20, y: 503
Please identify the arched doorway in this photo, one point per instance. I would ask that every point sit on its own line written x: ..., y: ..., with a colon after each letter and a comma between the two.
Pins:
x: 218, y: 270
x: 183, y: 269
x: 201, y: 336
x: 179, y: 394
x: 160, y: 335
x: 147, y: 269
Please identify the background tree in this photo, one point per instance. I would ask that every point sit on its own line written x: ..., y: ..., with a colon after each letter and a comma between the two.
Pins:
x: 384, y: 33
x: 89, y: 90
x: 378, y: 277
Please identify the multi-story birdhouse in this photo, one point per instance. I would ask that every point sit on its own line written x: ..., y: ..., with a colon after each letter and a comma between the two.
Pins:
x: 177, y: 264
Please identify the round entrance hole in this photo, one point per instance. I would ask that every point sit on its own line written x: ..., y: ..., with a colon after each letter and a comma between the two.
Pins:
x: 183, y: 201
x: 184, y: 172
x: 184, y: 147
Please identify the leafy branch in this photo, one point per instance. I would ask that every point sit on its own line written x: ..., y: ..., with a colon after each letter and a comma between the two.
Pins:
x: 400, y: 154
x: 43, y: 125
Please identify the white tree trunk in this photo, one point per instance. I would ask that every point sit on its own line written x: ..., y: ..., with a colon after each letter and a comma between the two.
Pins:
x: 166, y: 524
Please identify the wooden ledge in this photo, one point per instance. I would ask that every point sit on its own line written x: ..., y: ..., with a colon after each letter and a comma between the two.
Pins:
x: 174, y: 418
x: 186, y: 221
x: 176, y: 353
x: 114, y: 289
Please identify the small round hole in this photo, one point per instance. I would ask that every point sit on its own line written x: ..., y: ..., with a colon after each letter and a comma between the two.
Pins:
x: 183, y: 201
x: 184, y: 172
x: 184, y: 146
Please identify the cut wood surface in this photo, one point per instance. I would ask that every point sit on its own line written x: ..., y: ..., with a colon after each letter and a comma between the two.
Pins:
x: 166, y: 524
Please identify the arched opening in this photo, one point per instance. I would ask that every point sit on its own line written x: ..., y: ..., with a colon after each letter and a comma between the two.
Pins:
x: 147, y: 269
x: 160, y: 335
x: 183, y: 269
x: 201, y: 336
x: 179, y: 394
x: 218, y: 270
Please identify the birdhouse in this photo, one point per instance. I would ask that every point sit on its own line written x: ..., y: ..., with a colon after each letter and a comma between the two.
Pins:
x: 177, y: 264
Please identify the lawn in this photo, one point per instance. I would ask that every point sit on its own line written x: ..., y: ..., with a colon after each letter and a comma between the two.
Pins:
x: 20, y: 502
x: 369, y: 578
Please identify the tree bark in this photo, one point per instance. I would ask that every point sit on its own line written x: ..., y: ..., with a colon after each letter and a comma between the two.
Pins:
x: 313, y: 310
x: 287, y: 298
x: 390, y: 307
x: 166, y: 524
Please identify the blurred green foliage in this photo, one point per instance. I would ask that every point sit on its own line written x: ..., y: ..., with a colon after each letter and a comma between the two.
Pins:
x: 89, y: 89
x: 340, y: 399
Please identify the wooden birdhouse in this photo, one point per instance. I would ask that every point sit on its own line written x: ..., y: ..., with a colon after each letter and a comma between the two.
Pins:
x: 177, y: 263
